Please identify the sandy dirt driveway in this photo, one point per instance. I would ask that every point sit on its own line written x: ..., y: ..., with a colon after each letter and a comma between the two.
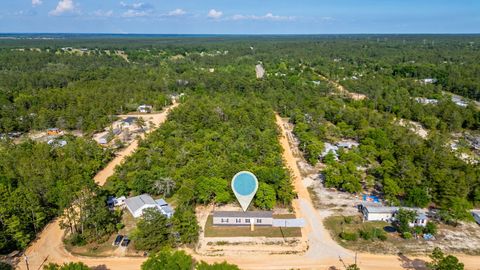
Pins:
x: 323, y: 251
x: 48, y: 247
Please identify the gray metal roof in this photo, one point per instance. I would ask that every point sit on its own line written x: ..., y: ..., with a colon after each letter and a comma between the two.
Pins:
x: 293, y: 222
x: 135, y: 203
x: 129, y: 120
x: 381, y: 209
x: 167, y: 209
x: 161, y: 202
x: 240, y: 214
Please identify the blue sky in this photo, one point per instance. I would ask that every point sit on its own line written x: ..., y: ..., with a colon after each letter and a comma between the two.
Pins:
x: 240, y: 16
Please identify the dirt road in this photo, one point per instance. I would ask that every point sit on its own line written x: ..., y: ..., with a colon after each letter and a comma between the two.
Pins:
x: 323, y: 253
x: 49, y: 246
x: 157, y: 120
x: 341, y: 89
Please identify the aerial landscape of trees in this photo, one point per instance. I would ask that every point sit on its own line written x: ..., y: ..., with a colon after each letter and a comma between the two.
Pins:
x: 226, y: 123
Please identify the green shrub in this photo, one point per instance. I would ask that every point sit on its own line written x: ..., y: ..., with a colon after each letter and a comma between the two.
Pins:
x: 382, y: 237
x: 120, y: 226
x: 76, y: 240
x: 348, y: 220
x: 431, y: 228
x: 366, y: 234
x: 407, y: 235
x: 5, y: 266
x: 349, y: 236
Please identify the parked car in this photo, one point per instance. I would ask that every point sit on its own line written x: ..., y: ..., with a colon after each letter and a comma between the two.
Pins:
x: 118, y: 240
x: 125, y: 241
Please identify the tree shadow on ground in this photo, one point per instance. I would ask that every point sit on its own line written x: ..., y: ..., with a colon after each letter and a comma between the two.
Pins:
x: 100, y: 267
x: 408, y: 263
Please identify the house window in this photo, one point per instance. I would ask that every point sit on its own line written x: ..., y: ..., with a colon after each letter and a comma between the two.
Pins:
x: 247, y: 220
x: 259, y: 220
x: 224, y: 220
x: 238, y: 220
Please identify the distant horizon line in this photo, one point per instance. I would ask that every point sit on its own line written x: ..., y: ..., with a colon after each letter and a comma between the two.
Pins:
x: 220, y: 34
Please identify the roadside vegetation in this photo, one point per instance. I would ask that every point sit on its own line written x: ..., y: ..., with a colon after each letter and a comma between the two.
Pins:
x: 226, y: 124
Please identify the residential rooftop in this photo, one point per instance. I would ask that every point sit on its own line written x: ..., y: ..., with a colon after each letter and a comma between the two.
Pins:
x: 241, y: 214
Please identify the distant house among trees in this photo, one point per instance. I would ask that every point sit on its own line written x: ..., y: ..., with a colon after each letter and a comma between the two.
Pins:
x: 260, y: 71
x: 387, y: 213
x: 346, y: 144
x: 145, y: 108
x: 53, y: 131
x: 136, y: 205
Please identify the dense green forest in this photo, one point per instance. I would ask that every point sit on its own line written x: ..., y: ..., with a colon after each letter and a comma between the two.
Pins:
x: 202, y: 145
x: 226, y: 122
x: 37, y: 181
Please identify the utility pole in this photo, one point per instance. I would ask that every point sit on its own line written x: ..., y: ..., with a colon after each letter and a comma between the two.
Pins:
x: 26, y: 262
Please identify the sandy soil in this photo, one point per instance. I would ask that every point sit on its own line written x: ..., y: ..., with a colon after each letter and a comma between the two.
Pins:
x: 48, y: 247
x: 323, y: 252
x: 340, y: 88
x: 157, y: 120
x: 415, y: 127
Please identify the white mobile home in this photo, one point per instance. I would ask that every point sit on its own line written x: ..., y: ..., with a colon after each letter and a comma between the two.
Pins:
x: 387, y: 213
x: 239, y: 218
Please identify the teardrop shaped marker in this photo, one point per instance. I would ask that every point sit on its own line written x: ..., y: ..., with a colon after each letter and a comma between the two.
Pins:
x: 244, y: 186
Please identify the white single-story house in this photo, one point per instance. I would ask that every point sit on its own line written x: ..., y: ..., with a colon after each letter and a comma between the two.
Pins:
x: 328, y: 147
x: 387, y: 213
x: 240, y: 218
x: 347, y: 144
x: 57, y: 143
x: 423, y: 100
x: 476, y: 215
x: 136, y: 205
x: 260, y: 71
x: 428, y: 80
x: 145, y: 108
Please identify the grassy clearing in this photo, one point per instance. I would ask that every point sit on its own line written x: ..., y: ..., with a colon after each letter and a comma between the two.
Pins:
x: 106, y: 248
x: 244, y: 231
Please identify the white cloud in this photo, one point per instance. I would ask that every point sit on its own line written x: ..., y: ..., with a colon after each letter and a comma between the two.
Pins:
x: 131, y: 13
x: 136, y: 6
x: 63, y: 6
x: 137, y: 9
x: 267, y: 17
x: 36, y: 2
x: 214, y: 14
x: 101, y: 13
x: 177, y: 12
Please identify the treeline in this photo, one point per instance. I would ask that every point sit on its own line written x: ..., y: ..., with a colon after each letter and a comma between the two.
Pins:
x: 40, y: 90
x: 202, y: 145
x: 404, y: 167
x: 37, y: 181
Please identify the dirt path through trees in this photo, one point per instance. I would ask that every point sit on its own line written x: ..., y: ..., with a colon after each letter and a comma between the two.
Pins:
x: 49, y: 247
x: 323, y: 251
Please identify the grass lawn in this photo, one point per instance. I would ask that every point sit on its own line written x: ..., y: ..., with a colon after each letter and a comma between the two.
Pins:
x: 353, y: 224
x: 244, y: 231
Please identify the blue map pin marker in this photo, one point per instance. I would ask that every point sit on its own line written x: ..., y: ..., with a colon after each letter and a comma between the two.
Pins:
x: 244, y: 186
